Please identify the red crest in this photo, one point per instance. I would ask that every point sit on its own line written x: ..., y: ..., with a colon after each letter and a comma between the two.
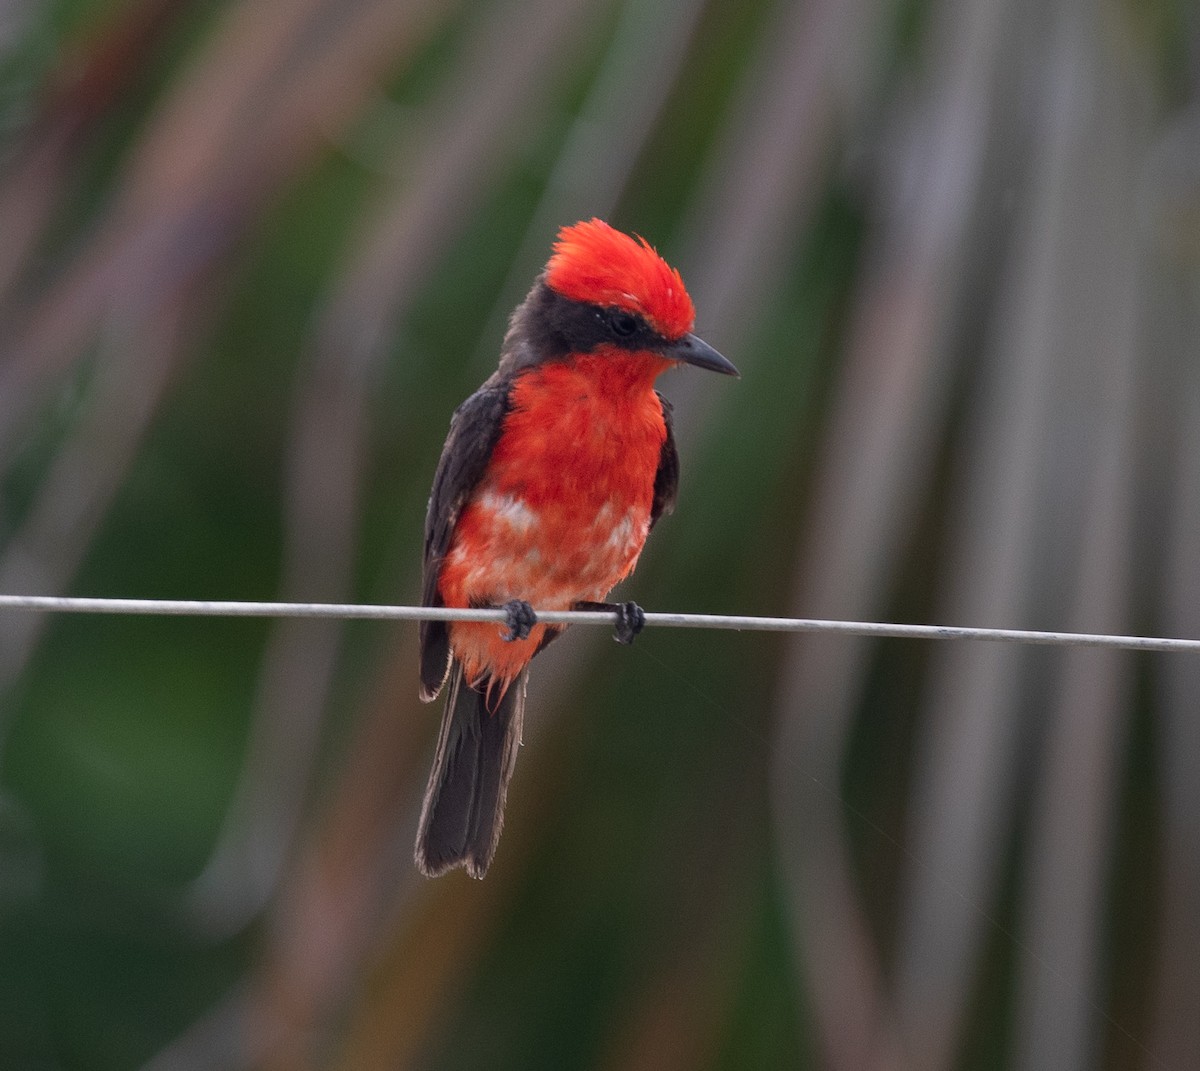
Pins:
x: 596, y: 263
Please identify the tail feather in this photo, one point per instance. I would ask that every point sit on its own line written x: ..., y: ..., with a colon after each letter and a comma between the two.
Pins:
x: 477, y: 747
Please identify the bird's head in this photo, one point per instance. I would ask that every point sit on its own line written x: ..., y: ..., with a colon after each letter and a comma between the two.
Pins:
x: 600, y: 265
x: 603, y: 289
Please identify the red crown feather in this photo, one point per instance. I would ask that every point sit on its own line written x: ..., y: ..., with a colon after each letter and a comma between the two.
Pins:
x: 593, y: 262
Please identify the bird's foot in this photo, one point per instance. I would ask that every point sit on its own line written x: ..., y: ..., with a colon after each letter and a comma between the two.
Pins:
x: 631, y: 619
x: 520, y: 618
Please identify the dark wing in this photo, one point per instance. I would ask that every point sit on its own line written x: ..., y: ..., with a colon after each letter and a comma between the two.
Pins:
x: 666, y: 479
x: 474, y: 429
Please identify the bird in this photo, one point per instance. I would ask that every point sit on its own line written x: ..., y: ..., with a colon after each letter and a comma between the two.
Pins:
x: 552, y: 475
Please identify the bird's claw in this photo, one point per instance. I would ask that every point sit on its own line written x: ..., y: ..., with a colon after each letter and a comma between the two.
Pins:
x: 520, y: 618
x: 631, y: 619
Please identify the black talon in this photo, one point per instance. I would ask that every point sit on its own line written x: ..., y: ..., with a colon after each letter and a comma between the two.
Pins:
x: 631, y: 619
x: 520, y: 618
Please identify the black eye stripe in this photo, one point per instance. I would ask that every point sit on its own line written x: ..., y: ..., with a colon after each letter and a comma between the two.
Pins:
x: 552, y: 326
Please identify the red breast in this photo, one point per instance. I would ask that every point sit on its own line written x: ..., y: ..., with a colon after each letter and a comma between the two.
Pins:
x: 563, y: 509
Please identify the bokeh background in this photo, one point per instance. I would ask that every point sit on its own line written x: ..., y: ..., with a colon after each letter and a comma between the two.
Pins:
x: 251, y: 257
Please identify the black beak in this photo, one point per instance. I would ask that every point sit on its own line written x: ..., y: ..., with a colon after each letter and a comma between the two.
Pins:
x: 695, y: 351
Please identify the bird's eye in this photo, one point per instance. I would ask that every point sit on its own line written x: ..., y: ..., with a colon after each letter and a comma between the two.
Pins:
x: 623, y: 324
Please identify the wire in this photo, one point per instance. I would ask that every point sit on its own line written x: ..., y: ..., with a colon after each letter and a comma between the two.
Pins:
x: 356, y: 611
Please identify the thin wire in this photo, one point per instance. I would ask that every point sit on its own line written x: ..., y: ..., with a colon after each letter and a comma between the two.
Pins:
x: 356, y: 611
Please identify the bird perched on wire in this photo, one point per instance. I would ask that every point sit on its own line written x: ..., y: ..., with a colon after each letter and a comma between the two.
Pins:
x: 551, y: 478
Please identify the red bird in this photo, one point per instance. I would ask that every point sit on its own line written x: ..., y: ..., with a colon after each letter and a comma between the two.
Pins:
x: 551, y: 478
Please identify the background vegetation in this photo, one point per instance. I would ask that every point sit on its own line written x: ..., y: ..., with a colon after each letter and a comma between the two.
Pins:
x: 251, y: 257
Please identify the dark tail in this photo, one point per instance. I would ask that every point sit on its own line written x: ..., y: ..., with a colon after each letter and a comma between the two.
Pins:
x: 463, y: 810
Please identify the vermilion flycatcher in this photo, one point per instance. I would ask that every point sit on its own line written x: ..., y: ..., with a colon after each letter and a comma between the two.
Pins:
x: 552, y: 476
